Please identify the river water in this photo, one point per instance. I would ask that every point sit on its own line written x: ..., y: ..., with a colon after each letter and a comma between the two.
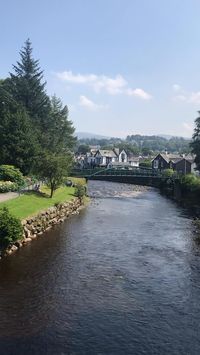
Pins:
x: 123, y: 277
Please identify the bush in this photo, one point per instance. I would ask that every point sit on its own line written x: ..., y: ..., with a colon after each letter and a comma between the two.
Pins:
x: 7, y: 186
x: 10, y: 228
x: 191, y: 182
x: 10, y: 173
x: 80, y: 191
x: 146, y: 163
x: 167, y: 173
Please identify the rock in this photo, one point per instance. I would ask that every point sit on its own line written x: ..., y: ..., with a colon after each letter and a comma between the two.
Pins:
x: 14, y: 248
x: 18, y: 244
x: 27, y: 240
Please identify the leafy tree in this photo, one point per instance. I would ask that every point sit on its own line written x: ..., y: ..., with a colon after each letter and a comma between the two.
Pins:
x: 196, y: 141
x: 83, y: 148
x: 54, y: 168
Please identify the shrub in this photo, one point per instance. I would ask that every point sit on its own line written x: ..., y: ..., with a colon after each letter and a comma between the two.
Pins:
x: 6, y: 186
x: 167, y: 173
x: 10, y: 228
x: 191, y: 182
x: 146, y: 163
x: 10, y: 173
x: 80, y: 191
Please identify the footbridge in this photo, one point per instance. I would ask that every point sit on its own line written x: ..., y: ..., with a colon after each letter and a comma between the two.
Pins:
x: 131, y: 175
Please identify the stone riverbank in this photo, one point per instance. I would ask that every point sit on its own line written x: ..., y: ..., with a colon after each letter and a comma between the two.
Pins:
x: 45, y: 220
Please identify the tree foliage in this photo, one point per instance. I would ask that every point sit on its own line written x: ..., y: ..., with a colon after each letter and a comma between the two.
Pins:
x: 33, y: 126
x: 27, y: 86
x: 196, y: 141
x: 53, y: 168
x: 10, y: 228
x: 10, y: 173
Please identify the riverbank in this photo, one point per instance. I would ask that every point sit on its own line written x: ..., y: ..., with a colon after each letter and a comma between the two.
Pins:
x: 32, y: 202
x: 34, y: 227
x: 39, y: 213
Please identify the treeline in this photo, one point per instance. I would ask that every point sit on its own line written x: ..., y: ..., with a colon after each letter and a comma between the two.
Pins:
x: 36, y: 134
x: 139, y: 144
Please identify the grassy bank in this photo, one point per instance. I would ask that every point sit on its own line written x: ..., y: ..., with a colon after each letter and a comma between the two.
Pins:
x: 31, y: 203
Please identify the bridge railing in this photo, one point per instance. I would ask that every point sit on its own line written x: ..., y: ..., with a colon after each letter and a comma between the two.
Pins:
x: 133, y: 171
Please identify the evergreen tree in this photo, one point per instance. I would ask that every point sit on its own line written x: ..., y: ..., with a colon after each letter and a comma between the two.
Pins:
x: 18, y: 145
x: 196, y: 141
x: 59, y: 135
x: 27, y: 86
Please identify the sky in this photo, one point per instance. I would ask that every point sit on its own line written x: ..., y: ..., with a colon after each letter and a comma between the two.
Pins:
x: 122, y: 66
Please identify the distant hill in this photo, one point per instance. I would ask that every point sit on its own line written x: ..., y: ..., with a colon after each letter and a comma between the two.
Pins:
x: 87, y: 135
x: 138, y: 144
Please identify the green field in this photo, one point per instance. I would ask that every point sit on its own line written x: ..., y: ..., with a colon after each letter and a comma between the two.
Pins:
x: 31, y: 203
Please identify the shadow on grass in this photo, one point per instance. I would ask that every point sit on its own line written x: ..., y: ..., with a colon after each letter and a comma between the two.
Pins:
x: 38, y: 194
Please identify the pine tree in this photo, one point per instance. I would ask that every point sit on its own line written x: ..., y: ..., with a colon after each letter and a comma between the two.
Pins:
x: 27, y: 86
x: 18, y: 143
x: 59, y: 134
x: 196, y: 141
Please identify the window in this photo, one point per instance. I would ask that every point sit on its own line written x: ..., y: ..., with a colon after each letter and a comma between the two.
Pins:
x: 155, y: 164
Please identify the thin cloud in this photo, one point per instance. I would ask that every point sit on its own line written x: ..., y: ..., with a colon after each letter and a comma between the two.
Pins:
x: 176, y: 87
x: 185, y: 96
x: 140, y: 93
x: 188, y: 127
x: 111, y: 85
x: 89, y: 104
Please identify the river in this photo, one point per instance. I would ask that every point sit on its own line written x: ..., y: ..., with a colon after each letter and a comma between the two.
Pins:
x: 123, y: 277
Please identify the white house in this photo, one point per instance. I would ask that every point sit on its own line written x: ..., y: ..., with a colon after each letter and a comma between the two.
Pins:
x: 123, y: 157
x: 104, y: 157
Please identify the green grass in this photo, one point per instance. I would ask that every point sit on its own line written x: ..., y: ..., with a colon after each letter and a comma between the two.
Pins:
x: 32, y: 203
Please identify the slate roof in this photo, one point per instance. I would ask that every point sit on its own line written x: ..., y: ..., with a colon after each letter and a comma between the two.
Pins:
x: 175, y: 158
x: 107, y: 153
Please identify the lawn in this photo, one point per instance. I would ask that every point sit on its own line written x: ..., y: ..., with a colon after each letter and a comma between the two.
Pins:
x: 31, y: 203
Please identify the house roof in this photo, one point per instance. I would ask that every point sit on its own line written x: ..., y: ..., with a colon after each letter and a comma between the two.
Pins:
x: 133, y: 158
x: 107, y: 153
x: 168, y: 157
x: 175, y: 158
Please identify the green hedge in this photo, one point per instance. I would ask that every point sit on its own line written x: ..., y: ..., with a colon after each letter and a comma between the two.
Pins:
x: 10, y: 173
x: 7, y: 186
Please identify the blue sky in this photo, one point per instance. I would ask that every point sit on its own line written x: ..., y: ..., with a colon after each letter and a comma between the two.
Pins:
x: 122, y: 66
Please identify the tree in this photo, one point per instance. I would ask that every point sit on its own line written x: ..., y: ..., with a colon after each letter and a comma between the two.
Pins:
x: 59, y: 134
x: 27, y: 87
x: 196, y: 141
x: 83, y: 149
x: 18, y: 143
x: 53, y: 168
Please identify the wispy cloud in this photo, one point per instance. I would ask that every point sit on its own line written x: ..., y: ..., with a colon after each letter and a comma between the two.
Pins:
x: 140, y: 93
x: 89, y: 104
x: 111, y: 85
x: 185, y: 96
x: 176, y: 87
x: 188, y: 127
